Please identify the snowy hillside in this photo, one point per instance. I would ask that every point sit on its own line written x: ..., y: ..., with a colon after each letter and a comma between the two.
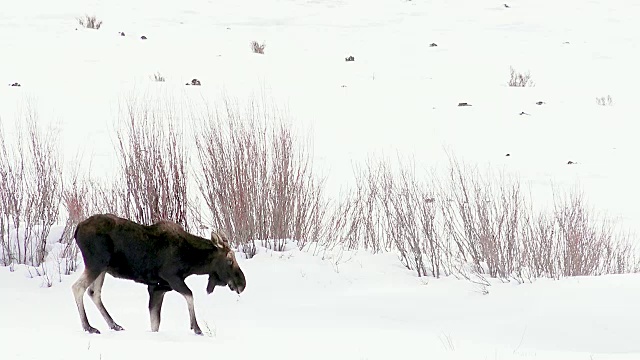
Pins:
x: 414, y: 63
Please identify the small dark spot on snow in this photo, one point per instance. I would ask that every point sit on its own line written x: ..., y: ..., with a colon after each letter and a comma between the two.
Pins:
x: 433, y: 45
x: 540, y: 103
x: 349, y: 58
x: 506, y: 5
x: 571, y: 162
x: 15, y: 84
x: 508, y: 154
x: 121, y: 33
x: 464, y: 104
x: 523, y: 113
x: 194, y: 82
x: 143, y: 37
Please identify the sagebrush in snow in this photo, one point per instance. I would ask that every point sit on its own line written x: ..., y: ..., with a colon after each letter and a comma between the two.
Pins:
x: 158, y: 77
x: 604, y: 100
x: 257, y: 48
x: 90, y: 22
x: 518, y: 79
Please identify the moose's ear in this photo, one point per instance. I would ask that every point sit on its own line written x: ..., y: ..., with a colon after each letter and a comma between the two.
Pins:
x: 216, y: 239
x: 223, y: 236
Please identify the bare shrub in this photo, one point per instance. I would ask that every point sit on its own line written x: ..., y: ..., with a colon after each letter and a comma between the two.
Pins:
x: 483, y: 217
x: 539, y: 247
x: 256, y: 178
x: 31, y: 189
x: 366, y: 212
x: 42, y: 272
x: 477, y: 225
x: 339, y: 221
x: 44, y: 188
x: 587, y: 244
x: 76, y: 201
x: 604, y: 100
x: 411, y: 221
x: 90, y: 22
x: 518, y: 79
x: 12, y: 194
x: 154, y: 165
x: 257, y: 48
x: 158, y: 77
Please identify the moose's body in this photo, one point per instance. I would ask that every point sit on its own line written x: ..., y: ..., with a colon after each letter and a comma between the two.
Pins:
x: 160, y: 256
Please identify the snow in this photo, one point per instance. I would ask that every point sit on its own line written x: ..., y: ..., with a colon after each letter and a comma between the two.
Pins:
x: 361, y: 306
x: 398, y: 95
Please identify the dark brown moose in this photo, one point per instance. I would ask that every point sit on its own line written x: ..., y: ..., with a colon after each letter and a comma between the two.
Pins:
x: 160, y: 256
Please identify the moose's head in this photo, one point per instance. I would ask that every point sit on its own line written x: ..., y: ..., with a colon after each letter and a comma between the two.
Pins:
x: 226, y: 271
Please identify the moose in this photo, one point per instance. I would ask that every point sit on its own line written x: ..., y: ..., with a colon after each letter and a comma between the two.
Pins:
x: 160, y: 256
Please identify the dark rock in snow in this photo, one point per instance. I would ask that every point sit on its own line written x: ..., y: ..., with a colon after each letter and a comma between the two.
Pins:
x: 121, y: 33
x: 571, y: 162
x: 350, y: 58
x: 540, y: 103
x: 433, y: 45
x: 194, y: 82
x: 464, y: 104
x: 15, y: 84
x: 143, y: 37
x: 508, y: 154
x: 506, y: 5
x: 523, y: 113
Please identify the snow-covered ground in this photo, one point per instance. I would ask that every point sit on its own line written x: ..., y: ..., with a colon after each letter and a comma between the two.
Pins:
x: 357, y: 306
x: 398, y: 94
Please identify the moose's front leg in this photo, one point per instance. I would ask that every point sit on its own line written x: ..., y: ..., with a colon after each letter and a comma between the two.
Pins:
x: 156, y: 295
x: 179, y: 285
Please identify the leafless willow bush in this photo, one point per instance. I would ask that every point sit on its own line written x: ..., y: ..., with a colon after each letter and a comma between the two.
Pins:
x: 364, y: 210
x: 477, y: 225
x: 256, y: 177
x: 30, y: 191
x: 483, y: 215
x: 154, y: 165
x: 76, y: 201
x: 588, y: 244
x: 409, y: 211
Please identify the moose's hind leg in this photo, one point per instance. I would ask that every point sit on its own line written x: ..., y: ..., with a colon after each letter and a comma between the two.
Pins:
x: 156, y: 295
x: 95, y: 292
x: 79, y: 287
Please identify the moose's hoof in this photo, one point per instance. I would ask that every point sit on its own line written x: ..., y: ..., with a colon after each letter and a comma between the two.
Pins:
x: 91, y: 330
